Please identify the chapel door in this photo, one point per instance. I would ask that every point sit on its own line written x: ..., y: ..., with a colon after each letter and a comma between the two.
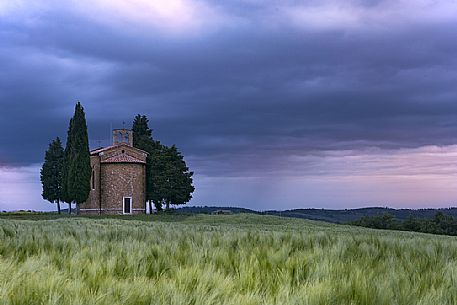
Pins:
x: 127, y: 205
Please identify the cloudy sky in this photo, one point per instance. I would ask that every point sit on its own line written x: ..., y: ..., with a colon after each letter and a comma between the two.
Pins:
x: 275, y: 104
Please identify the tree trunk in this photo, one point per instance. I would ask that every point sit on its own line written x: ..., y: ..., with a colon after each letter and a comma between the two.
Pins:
x: 69, y: 208
x: 150, y: 206
x: 168, y: 205
x: 158, y: 205
x: 77, y: 208
x: 58, y: 206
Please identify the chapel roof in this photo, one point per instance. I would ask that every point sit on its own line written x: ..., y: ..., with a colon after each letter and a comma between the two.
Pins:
x: 102, y: 149
x: 122, y: 158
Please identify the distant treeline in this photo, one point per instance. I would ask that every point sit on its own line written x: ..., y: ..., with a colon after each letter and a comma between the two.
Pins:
x: 335, y: 216
x: 440, y: 224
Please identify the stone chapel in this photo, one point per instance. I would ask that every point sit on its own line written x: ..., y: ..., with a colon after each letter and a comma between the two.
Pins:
x: 118, y: 181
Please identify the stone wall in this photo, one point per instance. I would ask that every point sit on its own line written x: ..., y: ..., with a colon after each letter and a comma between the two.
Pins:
x: 123, y: 148
x: 92, y: 204
x: 120, y: 180
x: 113, y: 181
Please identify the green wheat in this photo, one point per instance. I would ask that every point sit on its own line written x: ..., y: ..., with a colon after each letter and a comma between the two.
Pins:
x: 239, y: 259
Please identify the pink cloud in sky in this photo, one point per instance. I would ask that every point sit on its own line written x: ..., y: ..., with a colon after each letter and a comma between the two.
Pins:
x: 347, y: 15
x: 172, y: 17
x: 195, y: 17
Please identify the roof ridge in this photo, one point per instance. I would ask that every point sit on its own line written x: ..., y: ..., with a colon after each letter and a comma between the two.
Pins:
x: 122, y: 158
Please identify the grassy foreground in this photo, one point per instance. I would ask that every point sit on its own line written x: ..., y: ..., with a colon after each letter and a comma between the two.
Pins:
x: 227, y: 259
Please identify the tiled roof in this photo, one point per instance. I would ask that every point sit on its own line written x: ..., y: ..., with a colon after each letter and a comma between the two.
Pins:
x: 122, y: 158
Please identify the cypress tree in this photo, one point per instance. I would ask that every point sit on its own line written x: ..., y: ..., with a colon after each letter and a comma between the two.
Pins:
x: 51, y: 173
x: 77, y: 160
x: 66, y: 164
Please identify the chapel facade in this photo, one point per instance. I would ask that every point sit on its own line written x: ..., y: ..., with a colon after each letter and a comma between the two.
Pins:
x: 118, y: 180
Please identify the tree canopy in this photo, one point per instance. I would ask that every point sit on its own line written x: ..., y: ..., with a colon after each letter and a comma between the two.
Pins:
x: 142, y: 134
x: 77, y: 169
x: 177, y: 178
x: 51, y: 173
x: 169, y: 180
x: 440, y: 224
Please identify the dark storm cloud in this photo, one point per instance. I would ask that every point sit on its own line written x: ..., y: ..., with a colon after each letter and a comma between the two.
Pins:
x: 240, y: 97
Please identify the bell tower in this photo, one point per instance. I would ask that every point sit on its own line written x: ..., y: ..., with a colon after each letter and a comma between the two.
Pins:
x: 121, y: 136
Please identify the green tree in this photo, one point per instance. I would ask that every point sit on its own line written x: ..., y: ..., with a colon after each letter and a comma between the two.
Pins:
x: 142, y: 134
x: 411, y: 224
x: 65, y: 187
x: 156, y: 183
x: 77, y: 169
x: 142, y: 139
x: 157, y: 188
x: 177, y: 178
x: 51, y: 173
x: 168, y: 178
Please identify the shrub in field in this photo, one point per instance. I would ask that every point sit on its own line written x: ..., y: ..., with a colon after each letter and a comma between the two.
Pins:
x: 440, y: 224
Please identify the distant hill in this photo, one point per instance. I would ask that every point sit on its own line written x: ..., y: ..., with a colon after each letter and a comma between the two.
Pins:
x: 348, y: 215
x: 335, y: 216
x: 209, y: 210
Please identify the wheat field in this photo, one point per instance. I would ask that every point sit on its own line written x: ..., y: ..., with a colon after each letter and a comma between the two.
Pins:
x: 226, y: 259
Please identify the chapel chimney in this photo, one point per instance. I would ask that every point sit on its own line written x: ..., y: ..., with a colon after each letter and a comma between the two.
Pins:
x: 122, y: 136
